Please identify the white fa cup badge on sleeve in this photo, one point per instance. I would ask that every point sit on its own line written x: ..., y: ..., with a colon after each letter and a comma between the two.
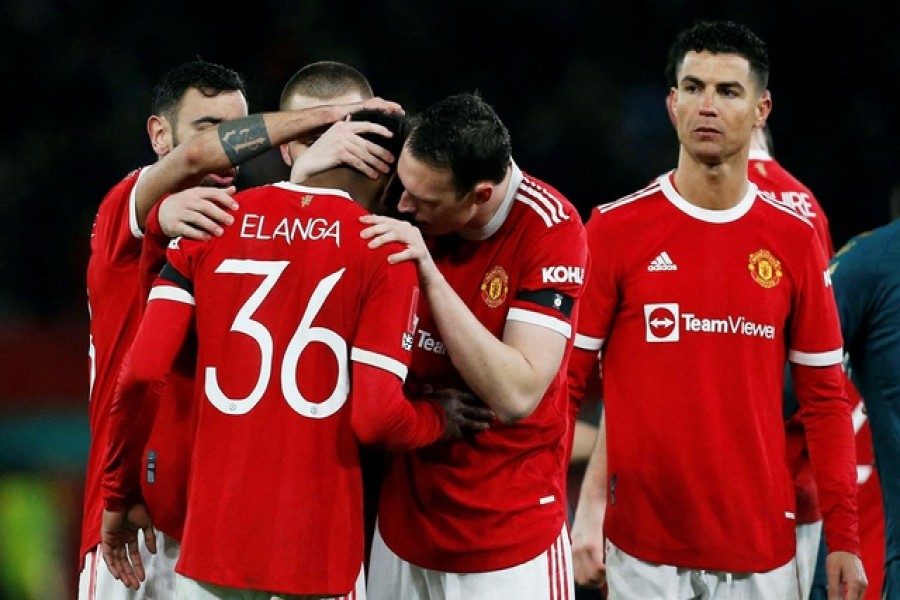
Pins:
x: 661, y: 322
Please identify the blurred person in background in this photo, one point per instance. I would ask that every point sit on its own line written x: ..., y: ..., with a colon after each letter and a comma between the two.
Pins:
x: 867, y: 289
x: 778, y: 185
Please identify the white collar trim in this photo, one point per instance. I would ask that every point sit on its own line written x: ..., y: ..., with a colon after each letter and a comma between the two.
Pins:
x: 515, y: 180
x: 704, y: 214
x: 305, y: 189
x: 759, y: 154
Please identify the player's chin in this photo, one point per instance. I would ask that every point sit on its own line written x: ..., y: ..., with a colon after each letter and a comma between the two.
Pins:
x: 709, y: 155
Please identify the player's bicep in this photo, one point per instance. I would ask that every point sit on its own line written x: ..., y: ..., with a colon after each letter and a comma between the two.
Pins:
x: 814, y: 333
x: 388, y: 316
x: 162, y: 332
x: 542, y: 347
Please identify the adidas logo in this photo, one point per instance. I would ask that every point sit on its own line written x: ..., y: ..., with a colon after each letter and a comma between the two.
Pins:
x: 662, y: 263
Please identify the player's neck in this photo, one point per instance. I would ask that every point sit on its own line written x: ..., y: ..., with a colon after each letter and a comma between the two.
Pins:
x: 487, y: 210
x: 353, y: 182
x: 712, y: 187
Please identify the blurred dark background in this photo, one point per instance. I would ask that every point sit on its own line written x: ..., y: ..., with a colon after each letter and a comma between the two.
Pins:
x: 579, y: 84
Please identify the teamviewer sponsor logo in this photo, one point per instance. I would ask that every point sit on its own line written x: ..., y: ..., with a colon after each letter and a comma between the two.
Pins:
x: 661, y: 322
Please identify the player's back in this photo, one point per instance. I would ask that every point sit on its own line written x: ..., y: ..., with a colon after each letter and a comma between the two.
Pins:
x: 275, y: 496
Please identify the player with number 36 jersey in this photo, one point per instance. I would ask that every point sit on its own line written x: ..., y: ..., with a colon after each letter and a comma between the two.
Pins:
x: 290, y: 306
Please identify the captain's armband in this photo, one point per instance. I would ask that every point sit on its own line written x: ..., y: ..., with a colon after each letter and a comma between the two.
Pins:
x: 549, y: 299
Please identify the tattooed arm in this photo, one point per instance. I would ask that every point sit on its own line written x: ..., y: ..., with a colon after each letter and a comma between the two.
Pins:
x: 233, y: 142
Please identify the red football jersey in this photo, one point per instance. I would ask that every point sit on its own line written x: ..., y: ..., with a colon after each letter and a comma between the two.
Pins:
x: 777, y: 184
x: 115, y: 307
x: 289, y: 301
x: 697, y: 312
x: 167, y: 454
x: 117, y: 283
x: 496, y: 499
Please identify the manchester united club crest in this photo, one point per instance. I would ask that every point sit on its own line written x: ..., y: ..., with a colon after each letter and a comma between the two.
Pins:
x: 306, y: 200
x: 495, y: 287
x: 765, y: 268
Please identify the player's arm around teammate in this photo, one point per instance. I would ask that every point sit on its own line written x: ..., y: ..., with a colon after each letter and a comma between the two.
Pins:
x: 231, y: 143
x: 528, y: 356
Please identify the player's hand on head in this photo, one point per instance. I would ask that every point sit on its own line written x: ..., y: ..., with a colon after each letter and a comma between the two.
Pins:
x: 341, y: 144
x: 846, y: 576
x: 197, y: 213
x: 465, y: 413
x: 381, y: 104
x: 119, y: 543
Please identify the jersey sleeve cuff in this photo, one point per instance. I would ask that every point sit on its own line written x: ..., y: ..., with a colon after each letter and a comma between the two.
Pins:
x: 816, y: 359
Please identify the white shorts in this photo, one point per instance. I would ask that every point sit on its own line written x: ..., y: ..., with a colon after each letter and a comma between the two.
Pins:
x: 97, y: 583
x: 630, y: 578
x: 809, y: 536
x: 191, y: 589
x: 548, y: 576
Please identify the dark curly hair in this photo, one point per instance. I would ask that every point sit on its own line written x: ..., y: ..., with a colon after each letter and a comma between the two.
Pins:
x: 209, y: 78
x: 396, y: 124
x: 720, y: 37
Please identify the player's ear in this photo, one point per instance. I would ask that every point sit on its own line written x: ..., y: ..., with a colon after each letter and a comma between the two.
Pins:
x: 671, y: 102
x: 763, y: 108
x: 286, y: 154
x: 160, y: 131
x: 483, y: 191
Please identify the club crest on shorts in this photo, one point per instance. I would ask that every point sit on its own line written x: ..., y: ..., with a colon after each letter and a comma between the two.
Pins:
x: 495, y: 287
x: 765, y: 268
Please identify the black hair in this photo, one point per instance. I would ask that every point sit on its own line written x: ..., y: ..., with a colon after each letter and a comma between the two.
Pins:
x: 208, y: 78
x: 462, y: 133
x: 720, y: 37
x: 395, y: 123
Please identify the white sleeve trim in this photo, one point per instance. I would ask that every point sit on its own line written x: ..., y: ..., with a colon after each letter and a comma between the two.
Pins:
x: 816, y: 359
x: 586, y: 342
x: 535, y: 318
x: 170, y: 292
x: 380, y: 361
x: 136, y: 231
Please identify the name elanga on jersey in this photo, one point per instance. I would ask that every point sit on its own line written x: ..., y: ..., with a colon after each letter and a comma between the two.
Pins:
x: 289, y: 229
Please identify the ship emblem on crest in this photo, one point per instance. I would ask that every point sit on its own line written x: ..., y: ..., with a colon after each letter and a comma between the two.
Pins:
x: 765, y: 268
x: 495, y: 287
